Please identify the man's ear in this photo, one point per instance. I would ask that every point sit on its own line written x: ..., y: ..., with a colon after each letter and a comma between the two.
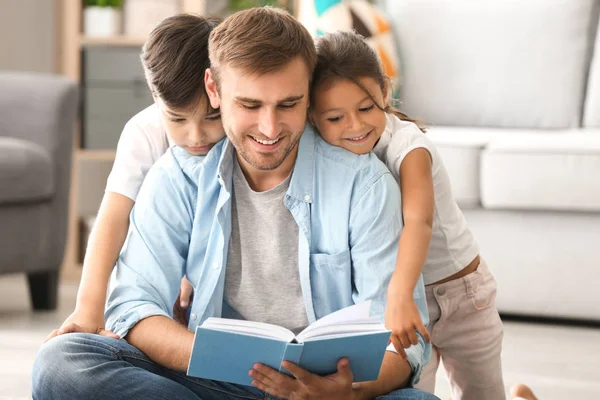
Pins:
x: 211, y: 89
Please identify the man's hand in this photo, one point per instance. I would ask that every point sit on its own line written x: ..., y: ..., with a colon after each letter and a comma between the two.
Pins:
x: 403, y: 319
x: 80, y: 321
x: 180, y: 308
x: 306, y: 386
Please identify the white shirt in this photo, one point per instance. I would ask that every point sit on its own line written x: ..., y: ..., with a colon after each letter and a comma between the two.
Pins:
x: 452, y: 245
x: 143, y: 141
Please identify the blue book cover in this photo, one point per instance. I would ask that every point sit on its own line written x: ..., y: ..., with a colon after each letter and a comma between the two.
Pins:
x: 226, y: 350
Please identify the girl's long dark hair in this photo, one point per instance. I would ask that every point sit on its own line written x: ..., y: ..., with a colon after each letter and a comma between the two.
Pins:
x: 346, y: 55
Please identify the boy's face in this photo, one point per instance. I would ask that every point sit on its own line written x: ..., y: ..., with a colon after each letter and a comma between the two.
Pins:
x: 263, y: 115
x: 346, y: 116
x: 196, y: 130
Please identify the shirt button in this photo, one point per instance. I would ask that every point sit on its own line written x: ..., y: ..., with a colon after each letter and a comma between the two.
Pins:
x: 441, y: 291
x: 193, y: 316
x: 307, y: 197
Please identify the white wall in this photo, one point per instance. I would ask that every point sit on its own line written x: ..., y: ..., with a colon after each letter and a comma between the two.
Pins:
x: 28, y: 35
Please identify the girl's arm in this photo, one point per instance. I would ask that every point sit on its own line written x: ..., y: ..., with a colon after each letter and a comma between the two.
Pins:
x: 104, y: 245
x: 402, y: 314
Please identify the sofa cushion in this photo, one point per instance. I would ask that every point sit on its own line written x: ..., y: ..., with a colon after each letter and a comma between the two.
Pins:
x: 543, y: 171
x: 592, y: 99
x: 26, y: 171
x: 495, y: 63
x: 460, y: 149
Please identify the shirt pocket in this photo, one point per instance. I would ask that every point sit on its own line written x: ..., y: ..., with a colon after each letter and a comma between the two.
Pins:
x: 331, y: 281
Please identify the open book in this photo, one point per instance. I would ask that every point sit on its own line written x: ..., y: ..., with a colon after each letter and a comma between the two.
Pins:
x: 227, y: 349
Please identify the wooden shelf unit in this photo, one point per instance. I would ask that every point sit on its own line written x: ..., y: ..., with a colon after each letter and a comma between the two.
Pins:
x: 113, y: 41
x: 70, y: 43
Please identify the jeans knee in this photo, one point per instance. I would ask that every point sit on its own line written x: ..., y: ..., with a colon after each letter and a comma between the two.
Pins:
x: 54, y: 368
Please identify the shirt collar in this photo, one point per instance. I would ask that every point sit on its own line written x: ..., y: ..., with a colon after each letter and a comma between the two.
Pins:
x: 301, y: 184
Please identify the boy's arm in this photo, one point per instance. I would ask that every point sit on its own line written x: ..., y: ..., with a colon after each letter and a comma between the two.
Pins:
x: 375, y: 226
x: 149, y: 270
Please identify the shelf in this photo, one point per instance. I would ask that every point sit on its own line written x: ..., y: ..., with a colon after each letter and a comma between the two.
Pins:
x: 108, y: 155
x: 112, y: 41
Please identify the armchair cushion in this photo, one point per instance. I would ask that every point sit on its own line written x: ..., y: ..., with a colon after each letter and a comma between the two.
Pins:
x: 26, y: 172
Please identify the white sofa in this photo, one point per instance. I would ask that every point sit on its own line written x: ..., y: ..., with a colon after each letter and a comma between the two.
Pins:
x: 511, y: 92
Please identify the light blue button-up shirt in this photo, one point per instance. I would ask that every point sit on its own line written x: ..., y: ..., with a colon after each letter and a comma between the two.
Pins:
x: 347, y: 208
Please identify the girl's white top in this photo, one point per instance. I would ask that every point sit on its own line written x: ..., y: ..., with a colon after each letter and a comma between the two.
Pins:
x: 143, y: 141
x: 452, y: 245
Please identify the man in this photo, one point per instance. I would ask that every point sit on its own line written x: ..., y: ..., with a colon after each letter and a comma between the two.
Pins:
x: 274, y: 225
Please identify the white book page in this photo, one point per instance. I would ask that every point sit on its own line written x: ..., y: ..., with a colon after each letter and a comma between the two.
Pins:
x: 342, y: 330
x: 260, y: 329
x: 352, y: 314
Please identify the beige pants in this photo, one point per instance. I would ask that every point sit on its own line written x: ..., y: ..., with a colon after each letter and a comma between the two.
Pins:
x: 466, y: 333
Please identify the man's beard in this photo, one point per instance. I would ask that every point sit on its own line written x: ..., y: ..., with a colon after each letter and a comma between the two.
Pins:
x: 263, y: 162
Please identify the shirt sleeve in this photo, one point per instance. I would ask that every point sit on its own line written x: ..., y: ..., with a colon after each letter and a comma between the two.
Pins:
x: 402, y: 143
x: 135, y: 156
x: 374, y: 238
x: 148, y: 273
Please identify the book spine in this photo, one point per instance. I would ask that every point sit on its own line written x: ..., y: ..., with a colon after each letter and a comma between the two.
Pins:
x: 292, y: 353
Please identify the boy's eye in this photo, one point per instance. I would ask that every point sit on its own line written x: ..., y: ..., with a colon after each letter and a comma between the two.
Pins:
x: 334, y: 119
x: 213, y: 117
x: 366, y: 109
x: 177, y: 120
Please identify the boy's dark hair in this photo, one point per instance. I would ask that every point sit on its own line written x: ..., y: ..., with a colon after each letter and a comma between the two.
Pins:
x: 175, y: 57
x: 346, y: 55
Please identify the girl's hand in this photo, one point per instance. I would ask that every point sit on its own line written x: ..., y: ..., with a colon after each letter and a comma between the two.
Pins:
x: 403, y: 319
x: 180, y: 308
x: 85, y: 322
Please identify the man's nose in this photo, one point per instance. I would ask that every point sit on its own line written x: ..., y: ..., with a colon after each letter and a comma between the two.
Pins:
x: 268, y: 124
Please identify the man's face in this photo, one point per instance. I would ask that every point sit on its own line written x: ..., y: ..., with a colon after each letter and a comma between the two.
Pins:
x: 263, y: 115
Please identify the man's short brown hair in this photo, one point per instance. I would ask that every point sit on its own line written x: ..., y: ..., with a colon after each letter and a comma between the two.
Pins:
x: 259, y: 41
x: 175, y: 57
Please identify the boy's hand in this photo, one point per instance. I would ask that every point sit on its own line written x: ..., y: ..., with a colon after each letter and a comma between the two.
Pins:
x: 180, y: 308
x: 85, y: 322
x: 403, y: 319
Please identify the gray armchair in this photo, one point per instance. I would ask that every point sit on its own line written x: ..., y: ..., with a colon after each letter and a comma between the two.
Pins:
x: 37, y: 115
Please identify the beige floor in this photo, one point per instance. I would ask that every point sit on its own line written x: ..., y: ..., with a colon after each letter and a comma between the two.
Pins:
x: 560, y: 363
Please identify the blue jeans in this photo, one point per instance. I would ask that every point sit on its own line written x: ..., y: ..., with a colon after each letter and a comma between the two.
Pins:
x: 85, y: 366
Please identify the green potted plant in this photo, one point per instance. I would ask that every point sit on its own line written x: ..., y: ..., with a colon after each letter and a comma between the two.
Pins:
x: 102, y: 17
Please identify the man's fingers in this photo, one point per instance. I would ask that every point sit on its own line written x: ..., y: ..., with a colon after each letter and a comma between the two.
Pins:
x: 299, y: 373
x: 107, y: 333
x: 423, y: 331
x: 344, y: 370
x: 185, y: 294
x: 70, y: 328
x: 52, y: 334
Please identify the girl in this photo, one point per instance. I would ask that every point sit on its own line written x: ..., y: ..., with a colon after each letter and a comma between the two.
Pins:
x: 348, y: 99
x: 174, y: 58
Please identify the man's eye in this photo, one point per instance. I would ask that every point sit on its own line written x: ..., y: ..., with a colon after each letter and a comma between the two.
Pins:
x: 367, y: 109
x: 334, y: 119
x: 247, y: 107
x: 288, y: 106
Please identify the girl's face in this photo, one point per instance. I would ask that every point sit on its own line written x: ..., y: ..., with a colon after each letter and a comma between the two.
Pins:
x: 348, y: 117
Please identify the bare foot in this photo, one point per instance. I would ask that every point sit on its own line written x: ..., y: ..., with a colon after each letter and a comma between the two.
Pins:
x: 523, y: 391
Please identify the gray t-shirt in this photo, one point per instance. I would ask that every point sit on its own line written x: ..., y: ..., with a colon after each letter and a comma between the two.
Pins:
x: 262, y: 281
